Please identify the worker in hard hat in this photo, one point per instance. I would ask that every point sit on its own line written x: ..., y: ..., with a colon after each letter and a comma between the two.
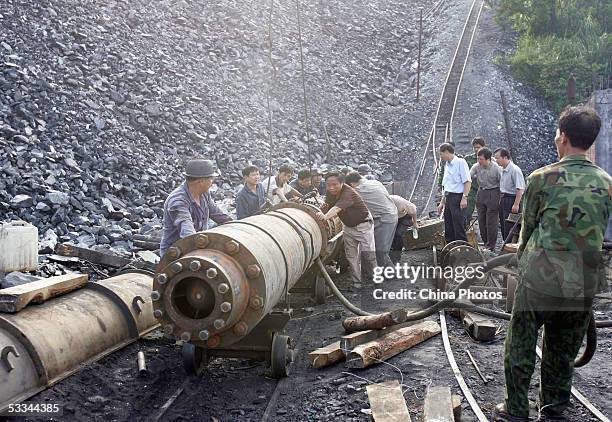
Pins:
x: 190, y: 206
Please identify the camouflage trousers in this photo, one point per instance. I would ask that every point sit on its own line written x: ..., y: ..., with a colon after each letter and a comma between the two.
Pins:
x: 563, y: 335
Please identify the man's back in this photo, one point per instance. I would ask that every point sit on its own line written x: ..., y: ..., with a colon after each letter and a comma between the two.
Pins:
x: 567, y: 205
x: 377, y: 199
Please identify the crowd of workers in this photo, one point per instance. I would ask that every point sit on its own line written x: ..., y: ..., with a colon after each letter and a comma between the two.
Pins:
x: 566, y: 210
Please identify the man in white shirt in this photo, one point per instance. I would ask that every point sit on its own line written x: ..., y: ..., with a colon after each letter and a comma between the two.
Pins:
x: 277, y: 188
x: 456, y: 185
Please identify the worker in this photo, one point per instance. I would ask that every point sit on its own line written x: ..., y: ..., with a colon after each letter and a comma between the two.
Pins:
x: 488, y: 175
x: 456, y: 185
x: 406, y: 217
x: 189, y: 207
x: 277, y: 188
x: 566, y: 210
x: 383, y: 210
x: 471, y: 159
x: 359, y: 247
x: 366, y: 171
x: 252, y: 197
x: 303, y: 182
x: 317, y: 181
x: 512, y: 186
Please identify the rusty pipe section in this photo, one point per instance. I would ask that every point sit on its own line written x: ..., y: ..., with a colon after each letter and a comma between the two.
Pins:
x: 214, y: 287
x: 44, y: 344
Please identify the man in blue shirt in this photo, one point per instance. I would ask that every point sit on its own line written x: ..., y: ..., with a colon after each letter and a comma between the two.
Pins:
x: 456, y: 185
x: 189, y: 207
x: 252, y: 196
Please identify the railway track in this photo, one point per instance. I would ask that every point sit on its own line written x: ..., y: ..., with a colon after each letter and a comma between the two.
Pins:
x: 424, y: 181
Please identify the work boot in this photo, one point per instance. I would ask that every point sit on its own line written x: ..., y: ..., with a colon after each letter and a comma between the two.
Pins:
x: 500, y: 414
x: 368, y: 263
x: 552, y: 415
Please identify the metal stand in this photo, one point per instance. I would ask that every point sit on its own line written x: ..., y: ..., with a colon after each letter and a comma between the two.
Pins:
x: 265, y: 343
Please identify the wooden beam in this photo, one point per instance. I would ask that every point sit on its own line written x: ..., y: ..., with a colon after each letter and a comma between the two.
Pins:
x: 387, y: 402
x: 374, y: 322
x: 391, y: 344
x: 16, y: 298
x: 438, y: 405
x: 326, y: 355
x: 479, y: 327
x: 350, y: 341
x: 95, y: 257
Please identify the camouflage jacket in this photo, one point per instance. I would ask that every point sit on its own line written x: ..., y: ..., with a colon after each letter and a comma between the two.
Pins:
x: 566, y: 209
x: 470, y: 159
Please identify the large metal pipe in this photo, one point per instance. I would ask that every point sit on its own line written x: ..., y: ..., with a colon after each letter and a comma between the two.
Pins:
x: 214, y: 287
x: 45, y: 343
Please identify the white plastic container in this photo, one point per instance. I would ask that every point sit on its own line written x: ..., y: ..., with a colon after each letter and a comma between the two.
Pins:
x: 18, y: 247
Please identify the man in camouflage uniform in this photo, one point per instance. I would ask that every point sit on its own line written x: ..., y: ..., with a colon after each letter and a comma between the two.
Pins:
x: 470, y: 159
x: 565, y: 215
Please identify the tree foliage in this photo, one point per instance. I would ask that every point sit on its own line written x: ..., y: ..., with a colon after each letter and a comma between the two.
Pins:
x: 559, y: 38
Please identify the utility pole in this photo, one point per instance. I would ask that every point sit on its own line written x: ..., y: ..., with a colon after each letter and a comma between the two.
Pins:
x: 418, y: 82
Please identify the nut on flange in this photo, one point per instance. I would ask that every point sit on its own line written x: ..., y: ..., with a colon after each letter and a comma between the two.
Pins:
x: 219, y: 324
x: 226, y: 307
x: 195, y: 266
x: 222, y: 288
x: 204, y: 334
x: 241, y: 328
x: 213, y: 341
x: 186, y: 336
x: 202, y: 241
x: 211, y: 273
x: 162, y: 278
x: 253, y: 271
x: 155, y: 295
x: 256, y: 302
x: 168, y: 329
x: 232, y: 247
x: 174, y: 252
x: 158, y: 313
x: 177, y: 267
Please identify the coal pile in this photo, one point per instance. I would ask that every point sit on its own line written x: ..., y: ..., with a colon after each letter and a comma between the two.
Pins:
x: 101, y: 104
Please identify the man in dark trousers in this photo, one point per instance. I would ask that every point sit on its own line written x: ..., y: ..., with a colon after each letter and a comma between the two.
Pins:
x: 512, y: 186
x: 456, y: 185
x: 359, y: 247
x: 189, y: 207
x: 488, y: 175
x: 566, y: 210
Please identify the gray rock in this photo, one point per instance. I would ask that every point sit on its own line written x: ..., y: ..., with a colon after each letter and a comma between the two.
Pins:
x: 21, y: 201
x: 57, y: 197
x: 17, y: 278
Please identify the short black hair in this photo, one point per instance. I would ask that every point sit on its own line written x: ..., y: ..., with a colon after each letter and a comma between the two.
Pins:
x: 285, y: 168
x: 346, y: 170
x: 485, y: 152
x: 335, y: 174
x: 353, y: 177
x: 303, y: 174
x: 479, y: 140
x: 581, y: 125
x: 246, y: 172
x: 503, y: 152
x: 447, y: 147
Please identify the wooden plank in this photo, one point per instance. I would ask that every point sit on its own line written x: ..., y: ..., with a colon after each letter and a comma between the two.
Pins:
x: 438, y: 405
x: 350, y: 341
x: 391, y: 344
x: 479, y: 327
x: 326, y: 355
x: 431, y: 232
x: 511, y: 247
x: 95, y: 257
x: 387, y: 402
x: 16, y: 298
x: 374, y: 322
x: 456, y: 407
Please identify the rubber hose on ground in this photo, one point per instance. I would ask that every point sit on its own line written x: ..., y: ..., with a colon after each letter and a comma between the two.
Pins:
x: 354, y: 309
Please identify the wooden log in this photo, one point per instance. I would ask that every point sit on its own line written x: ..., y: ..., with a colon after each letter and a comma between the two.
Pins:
x: 374, y: 322
x: 387, y: 402
x: 95, y: 257
x: 326, y: 355
x: 350, y: 341
x: 16, y: 298
x: 438, y: 405
x: 391, y: 344
x: 511, y: 248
